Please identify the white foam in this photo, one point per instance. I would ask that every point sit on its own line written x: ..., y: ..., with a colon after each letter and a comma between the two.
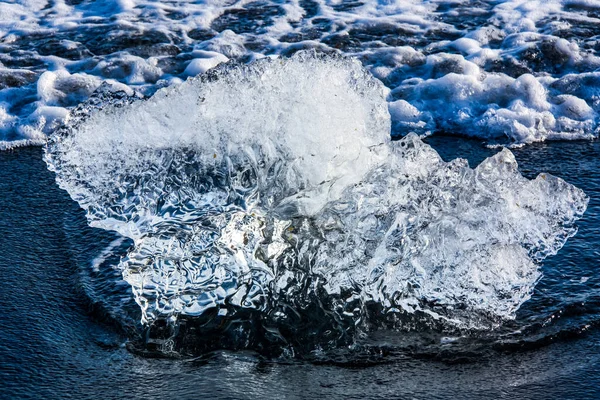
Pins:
x: 496, y: 105
x: 494, y: 41
x: 62, y: 88
x: 205, y: 61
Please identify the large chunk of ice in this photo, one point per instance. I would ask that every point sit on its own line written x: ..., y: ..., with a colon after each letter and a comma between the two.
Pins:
x: 258, y: 184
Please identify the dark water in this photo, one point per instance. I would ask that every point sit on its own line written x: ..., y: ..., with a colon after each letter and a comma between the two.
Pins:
x: 60, y: 337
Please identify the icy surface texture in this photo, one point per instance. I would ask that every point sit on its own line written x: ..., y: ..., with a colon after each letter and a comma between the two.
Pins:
x: 514, y: 71
x: 260, y: 186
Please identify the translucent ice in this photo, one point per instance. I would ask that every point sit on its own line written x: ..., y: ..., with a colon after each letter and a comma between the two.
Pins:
x: 256, y: 186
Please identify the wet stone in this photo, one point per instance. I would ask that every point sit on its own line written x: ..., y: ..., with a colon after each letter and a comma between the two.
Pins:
x: 436, y: 35
x: 118, y: 39
x: 465, y: 17
x: 155, y: 50
x: 544, y: 56
x: 308, y: 34
x: 173, y: 65
x: 62, y: 49
x: 508, y: 66
x: 176, y: 15
x: 580, y: 86
x: 251, y: 19
x: 347, y: 5
x: 387, y: 33
x: 12, y: 78
x: 21, y: 59
x: 587, y: 10
x: 322, y: 24
x: 201, y: 34
x: 341, y: 42
x: 311, y: 8
x: 579, y: 31
x: 256, y: 45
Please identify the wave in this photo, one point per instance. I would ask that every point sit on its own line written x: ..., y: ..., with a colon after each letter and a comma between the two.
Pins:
x: 273, y: 188
x: 509, y: 72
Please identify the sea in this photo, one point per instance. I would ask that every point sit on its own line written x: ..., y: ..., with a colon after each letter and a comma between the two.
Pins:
x: 299, y: 199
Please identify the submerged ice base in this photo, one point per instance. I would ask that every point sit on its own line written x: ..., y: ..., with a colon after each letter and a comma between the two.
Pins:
x: 274, y: 186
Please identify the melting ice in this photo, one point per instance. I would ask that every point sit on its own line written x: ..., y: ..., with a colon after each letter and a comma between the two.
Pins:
x: 246, y: 184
